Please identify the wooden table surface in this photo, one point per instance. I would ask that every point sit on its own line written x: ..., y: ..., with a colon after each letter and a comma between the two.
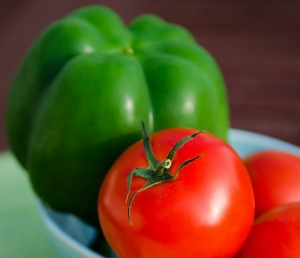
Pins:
x: 256, y: 43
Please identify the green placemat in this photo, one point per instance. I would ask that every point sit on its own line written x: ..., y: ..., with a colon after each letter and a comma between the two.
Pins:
x: 22, y: 233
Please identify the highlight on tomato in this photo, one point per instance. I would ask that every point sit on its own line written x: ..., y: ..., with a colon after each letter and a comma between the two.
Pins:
x: 177, y: 193
x: 275, y: 177
x: 275, y: 233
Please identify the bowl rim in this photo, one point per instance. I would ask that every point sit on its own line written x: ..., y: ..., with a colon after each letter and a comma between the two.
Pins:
x: 63, y: 236
x: 243, y: 136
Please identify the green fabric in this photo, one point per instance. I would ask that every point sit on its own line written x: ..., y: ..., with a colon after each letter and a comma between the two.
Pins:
x: 22, y: 233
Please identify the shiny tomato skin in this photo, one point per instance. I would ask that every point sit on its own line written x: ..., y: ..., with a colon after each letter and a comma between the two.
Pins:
x: 275, y: 234
x: 275, y: 177
x: 207, y: 211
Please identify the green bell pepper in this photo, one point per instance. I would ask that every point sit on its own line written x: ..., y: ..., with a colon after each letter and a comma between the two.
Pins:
x: 85, y: 85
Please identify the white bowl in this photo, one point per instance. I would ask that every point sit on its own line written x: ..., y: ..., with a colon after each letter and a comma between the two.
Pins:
x: 71, y: 237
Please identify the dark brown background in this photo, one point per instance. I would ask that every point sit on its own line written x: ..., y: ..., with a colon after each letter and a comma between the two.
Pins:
x: 256, y: 43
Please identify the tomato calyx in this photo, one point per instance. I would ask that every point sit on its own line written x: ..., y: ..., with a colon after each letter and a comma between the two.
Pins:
x: 157, y: 172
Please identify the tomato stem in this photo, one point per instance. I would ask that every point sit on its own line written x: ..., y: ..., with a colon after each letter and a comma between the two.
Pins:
x: 157, y: 172
x: 163, y: 167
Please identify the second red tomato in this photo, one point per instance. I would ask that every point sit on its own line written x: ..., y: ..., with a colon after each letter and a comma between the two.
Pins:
x: 275, y: 177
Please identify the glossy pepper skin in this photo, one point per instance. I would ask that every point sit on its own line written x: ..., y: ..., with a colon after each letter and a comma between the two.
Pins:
x: 84, y: 87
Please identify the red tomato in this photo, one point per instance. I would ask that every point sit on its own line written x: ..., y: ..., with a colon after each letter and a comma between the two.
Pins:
x: 206, y: 211
x: 275, y: 177
x: 275, y: 234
